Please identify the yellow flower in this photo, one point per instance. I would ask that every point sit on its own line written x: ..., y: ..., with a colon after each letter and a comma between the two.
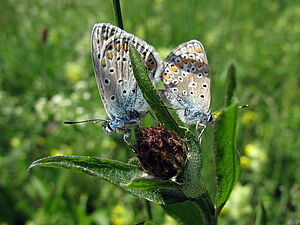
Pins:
x: 55, y: 152
x: 121, y: 215
x: 15, y: 142
x: 73, y: 71
x: 248, y: 117
x: 251, y: 150
x: 245, y: 162
x: 257, y: 155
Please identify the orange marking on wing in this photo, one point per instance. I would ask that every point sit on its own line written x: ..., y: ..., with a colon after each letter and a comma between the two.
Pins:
x: 206, y: 70
x: 126, y: 47
x: 104, y: 63
x: 185, y: 60
x: 118, y: 47
x: 174, y: 68
x: 198, y: 49
x: 190, y: 50
x: 149, y: 65
x: 179, y: 64
x: 167, y: 76
x: 199, y: 63
x: 192, y: 58
x: 110, y: 55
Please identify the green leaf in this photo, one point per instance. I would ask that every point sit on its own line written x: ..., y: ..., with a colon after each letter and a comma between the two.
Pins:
x: 148, y: 184
x: 116, y: 172
x: 113, y: 171
x: 150, y: 95
x: 230, y: 85
x: 261, y: 215
x: 197, y: 212
x: 226, y: 157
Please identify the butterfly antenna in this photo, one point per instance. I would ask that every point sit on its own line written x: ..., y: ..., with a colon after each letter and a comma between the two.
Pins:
x: 243, y: 106
x: 85, y: 121
x: 239, y: 107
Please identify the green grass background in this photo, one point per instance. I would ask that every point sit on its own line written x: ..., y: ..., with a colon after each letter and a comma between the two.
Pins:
x: 46, y: 77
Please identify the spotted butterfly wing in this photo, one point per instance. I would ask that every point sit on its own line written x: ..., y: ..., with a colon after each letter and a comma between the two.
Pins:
x: 187, y: 82
x: 119, y: 92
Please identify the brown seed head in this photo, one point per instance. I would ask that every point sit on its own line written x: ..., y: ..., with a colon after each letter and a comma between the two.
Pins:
x: 162, y: 153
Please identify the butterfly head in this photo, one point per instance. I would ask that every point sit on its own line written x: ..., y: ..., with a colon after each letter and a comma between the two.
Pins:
x: 210, y: 119
x: 113, y: 126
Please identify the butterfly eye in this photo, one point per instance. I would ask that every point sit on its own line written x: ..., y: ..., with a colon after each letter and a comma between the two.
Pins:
x: 113, y: 98
x: 175, y: 89
x: 202, y: 96
x: 210, y: 118
x: 204, y: 85
x: 184, y: 92
x: 124, y: 92
x: 180, y: 78
x: 192, y: 93
x: 199, y: 75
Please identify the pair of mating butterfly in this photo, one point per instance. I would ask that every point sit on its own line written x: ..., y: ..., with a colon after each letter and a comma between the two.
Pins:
x: 185, y: 74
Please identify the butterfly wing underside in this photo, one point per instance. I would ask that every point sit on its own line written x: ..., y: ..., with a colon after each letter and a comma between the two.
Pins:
x: 117, y: 86
x: 186, y: 78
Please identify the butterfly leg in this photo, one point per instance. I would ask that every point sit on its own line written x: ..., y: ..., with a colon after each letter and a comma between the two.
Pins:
x: 126, y: 137
x: 152, y: 115
x: 199, y: 124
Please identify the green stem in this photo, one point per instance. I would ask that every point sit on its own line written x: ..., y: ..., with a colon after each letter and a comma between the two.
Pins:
x: 148, y: 207
x: 206, y: 204
x: 118, y: 14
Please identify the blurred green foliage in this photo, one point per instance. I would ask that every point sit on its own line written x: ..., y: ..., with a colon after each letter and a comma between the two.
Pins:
x: 46, y: 77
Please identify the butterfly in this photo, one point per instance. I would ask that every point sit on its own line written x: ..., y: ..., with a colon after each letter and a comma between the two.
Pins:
x: 187, y: 83
x: 118, y: 89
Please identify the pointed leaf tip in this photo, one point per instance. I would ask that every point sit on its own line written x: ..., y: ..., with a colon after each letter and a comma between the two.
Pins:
x: 230, y: 85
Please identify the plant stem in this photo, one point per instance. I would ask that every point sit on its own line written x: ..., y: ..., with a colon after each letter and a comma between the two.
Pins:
x: 148, y: 207
x: 205, y: 203
x: 118, y: 14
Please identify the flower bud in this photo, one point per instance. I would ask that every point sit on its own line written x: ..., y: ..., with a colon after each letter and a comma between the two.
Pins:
x: 161, y: 153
